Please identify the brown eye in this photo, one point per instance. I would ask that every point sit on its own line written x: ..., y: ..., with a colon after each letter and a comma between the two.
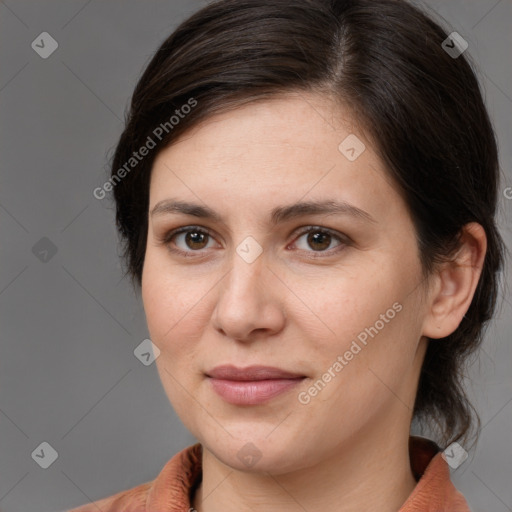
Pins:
x: 195, y: 239
x: 187, y: 240
x: 319, y: 240
x: 190, y: 241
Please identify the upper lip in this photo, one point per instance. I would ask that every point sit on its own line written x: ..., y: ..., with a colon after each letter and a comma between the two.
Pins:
x: 230, y: 372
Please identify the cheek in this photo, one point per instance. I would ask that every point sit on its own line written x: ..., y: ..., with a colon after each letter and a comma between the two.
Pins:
x: 344, y: 305
x: 357, y: 325
x: 172, y: 305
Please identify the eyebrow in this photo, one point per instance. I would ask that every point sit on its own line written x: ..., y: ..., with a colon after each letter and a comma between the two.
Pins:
x: 278, y: 215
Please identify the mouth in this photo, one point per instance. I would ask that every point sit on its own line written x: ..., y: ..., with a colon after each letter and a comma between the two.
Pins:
x: 253, y: 385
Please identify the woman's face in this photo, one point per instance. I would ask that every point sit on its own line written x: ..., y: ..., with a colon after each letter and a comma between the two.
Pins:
x: 340, y: 307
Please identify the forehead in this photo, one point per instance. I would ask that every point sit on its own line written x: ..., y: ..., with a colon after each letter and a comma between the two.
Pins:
x: 287, y: 122
x: 275, y: 150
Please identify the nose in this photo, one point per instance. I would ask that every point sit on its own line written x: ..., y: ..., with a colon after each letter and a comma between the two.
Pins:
x: 250, y: 301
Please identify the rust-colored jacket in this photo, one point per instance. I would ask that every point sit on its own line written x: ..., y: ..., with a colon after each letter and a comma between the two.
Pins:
x: 173, y: 488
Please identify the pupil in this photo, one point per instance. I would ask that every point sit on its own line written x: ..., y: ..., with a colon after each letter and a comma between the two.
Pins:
x: 193, y: 234
x: 314, y: 238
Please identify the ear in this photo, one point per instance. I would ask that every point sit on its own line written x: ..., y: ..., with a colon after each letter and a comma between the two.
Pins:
x: 455, y: 284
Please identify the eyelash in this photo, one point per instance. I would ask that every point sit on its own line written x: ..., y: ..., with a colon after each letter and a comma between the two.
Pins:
x: 167, y: 238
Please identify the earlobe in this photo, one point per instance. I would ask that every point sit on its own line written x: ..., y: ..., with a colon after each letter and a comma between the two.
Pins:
x: 456, y: 284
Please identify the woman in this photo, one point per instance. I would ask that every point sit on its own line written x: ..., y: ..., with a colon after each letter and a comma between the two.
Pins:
x: 306, y: 191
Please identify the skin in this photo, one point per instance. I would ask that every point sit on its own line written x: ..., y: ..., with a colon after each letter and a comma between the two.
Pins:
x: 345, y: 450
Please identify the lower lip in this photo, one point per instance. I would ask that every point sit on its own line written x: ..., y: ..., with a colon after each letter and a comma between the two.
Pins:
x: 252, y: 392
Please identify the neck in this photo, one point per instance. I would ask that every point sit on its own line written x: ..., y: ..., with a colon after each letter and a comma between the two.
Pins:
x: 360, y: 475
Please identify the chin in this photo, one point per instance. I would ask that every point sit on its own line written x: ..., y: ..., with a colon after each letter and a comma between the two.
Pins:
x: 256, y: 453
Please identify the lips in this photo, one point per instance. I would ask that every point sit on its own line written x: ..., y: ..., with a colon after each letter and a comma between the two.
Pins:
x: 251, y: 373
x: 253, y: 385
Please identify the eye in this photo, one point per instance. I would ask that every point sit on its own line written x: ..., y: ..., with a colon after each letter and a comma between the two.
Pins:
x: 319, y: 239
x: 191, y: 237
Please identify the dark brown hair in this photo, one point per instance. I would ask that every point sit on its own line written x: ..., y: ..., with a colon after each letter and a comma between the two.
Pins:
x: 421, y: 107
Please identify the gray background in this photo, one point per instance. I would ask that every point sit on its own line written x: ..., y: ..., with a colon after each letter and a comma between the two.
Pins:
x: 69, y: 325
